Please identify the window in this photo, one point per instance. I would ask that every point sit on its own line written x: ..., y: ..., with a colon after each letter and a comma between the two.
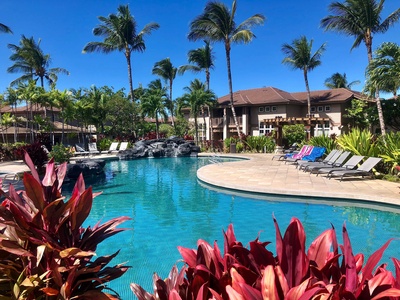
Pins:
x: 328, y: 108
x: 273, y: 108
x: 320, y: 108
x: 261, y: 109
x: 322, y: 129
x: 312, y: 109
x: 265, y: 128
x: 267, y: 109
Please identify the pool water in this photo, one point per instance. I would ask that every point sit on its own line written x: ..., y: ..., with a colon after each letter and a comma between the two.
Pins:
x: 169, y: 207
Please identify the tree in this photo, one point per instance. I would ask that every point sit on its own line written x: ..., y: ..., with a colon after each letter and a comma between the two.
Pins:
x: 338, y: 80
x: 361, y: 19
x: 30, y: 59
x: 167, y: 71
x: 153, y: 102
x: 5, y: 28
x: 299, y: 56
x: 202, y: 59
x: 383, y: 72
x: 217, y: 24
x: 11, y: 96
x: 196, y: 97
x: 63, y: 101
x: 120, y: 33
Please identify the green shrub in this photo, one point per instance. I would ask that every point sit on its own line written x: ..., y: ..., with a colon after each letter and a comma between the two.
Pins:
x: 389, y: 149
x: 239, y: 147
x: 294, y: 133
x: 7, y: 151
x: 329, y: 142
x: 260, y: 143
x: 326, y: 270
x: 359, y: 142
x: 166, y: 130
x: 60, y: 153
x: 104, y: 144
x: 45, y: 252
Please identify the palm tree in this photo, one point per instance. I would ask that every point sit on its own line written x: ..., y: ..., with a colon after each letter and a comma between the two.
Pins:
x: 202, y: 59
x: 167, y: 71
x: 217, y: 24
x: 361, y: 19
x: 383, y: 72
x: 338, y: 80
x: 5, y: 28
x: 153, y: 102
x: 11, y: 96
x: 196, y: 97
x: 120, y: 33
x: 30, y: 59
x: 299, y: 56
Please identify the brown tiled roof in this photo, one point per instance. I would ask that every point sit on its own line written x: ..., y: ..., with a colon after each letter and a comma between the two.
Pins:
x: 271, y: 95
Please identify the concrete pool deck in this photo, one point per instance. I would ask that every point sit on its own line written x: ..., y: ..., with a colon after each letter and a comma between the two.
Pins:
x: 261, y: 174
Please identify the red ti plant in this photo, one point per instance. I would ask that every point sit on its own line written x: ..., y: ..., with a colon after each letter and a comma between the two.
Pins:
x: 294, y: 273
x: 45, y: 253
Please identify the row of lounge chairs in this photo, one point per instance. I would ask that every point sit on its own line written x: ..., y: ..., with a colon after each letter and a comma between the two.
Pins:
x: 337, y: 163
x: 92, y: 149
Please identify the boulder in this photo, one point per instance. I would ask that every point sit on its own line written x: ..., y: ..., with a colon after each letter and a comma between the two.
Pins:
x: 88, y: 168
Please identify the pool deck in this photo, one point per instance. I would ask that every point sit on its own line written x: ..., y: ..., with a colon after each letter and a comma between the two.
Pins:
x: 259, y: 173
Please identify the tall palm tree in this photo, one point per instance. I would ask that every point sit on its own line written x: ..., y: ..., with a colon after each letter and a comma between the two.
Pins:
x: 196, y: 97
x: 165, y: 69
x: 383, y: 72
x: 5, y: 28
x: 361, y: 19
x: 217, y: 24
x: 11, y: 96
x: 202, y: 59
x: 299, y: 56
x: 338, y: 80
x: 153, y: 102
x: 120, y: 33
x: 30, y: 59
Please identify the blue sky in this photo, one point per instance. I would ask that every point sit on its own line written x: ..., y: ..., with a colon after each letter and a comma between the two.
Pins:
x: 65, y: 27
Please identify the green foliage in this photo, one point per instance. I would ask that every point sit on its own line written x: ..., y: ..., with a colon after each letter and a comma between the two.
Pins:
x: 60, y: 153
x: 260, y: 143
x: 328, y: 142
x: 45, y: 252
x: 104, y: 143
x: 389, y: 150
x: 359, y: 142
x: 7, y: 151
x: 357, y: 114
x: 181, y: 126
x: 237, y: 272
x: 294, y: 133
x: 239, y: 147
x: 166, y: 130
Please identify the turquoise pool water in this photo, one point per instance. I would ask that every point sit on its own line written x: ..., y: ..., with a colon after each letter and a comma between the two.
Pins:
x: 170, y: 208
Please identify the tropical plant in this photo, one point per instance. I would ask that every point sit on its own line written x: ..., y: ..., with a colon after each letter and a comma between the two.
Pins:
x: 260, y: 143
x: 120, y: 33
x: 36, y: 153
x: 217, y: 24
x: 390, y: 150
x: 165, y: 69
x: 359, y: 142
x: 356, y: 114
x: 361, y: 19
x: 60, y: 153
x: 299, y: 56
x: 45, y: 252
x: 30, y: 59
x: 153, y: 102
x: 383, y: 72
x: 293, y: 273
x: 338, y: 80
x: 11, y: 96
x: 196, y: 97
x: 293, y: 133
x: 328, y: 142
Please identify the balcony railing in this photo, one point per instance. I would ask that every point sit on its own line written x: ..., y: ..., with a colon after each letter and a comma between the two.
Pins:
x: 219, y: 122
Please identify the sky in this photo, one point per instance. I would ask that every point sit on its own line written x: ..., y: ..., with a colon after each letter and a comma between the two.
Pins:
x: 65, y: 27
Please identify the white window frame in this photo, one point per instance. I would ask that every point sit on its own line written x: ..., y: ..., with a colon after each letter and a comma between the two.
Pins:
x: 274, y: 109
x: 320, y: 108
x: 261, y: 109
x: 322, y: 129
x: 327, y: 108
x: 265, y: 128
x: 267, y: 109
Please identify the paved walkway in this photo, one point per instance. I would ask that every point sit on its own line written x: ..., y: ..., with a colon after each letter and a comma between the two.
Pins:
x: 261, y: 174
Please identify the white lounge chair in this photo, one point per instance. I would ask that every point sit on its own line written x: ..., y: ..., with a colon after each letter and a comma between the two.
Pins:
x: 123, y: 146
x: 80, y: 151
x: 113, y: 148
x: 93, y: 148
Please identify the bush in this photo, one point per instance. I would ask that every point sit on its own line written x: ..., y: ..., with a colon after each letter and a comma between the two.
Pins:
x: 7, y: 151
x: 389, y: 149
x: 294, y: 133
x: 359, y: 142
x: 36, y: 153
x: 260, y: 143
x: 328, y: 142
x: 45, y: 252
x: 60, y: 153
x: 293, y: 273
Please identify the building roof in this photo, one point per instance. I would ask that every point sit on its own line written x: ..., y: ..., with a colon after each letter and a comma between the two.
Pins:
x: 271, y: 95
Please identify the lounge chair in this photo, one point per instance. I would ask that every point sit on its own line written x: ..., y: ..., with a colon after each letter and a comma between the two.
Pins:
x: 80, y: 151
x: 349, y: 165
x: 113, y: 148
x: 363, y: 170
x: 123, y: 146
x: 338, y: 163
x: 286, y: 155
x: 329, y: 159
x: 310, y: 154
x: 93, y: 148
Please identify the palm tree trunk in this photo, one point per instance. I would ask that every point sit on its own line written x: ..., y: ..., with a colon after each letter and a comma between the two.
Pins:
x: 172, y: 104
x: 196, y: 130
x: 128, y: 61
x: 157, y: 134
x: 228, y: 63
x: 308, y: 105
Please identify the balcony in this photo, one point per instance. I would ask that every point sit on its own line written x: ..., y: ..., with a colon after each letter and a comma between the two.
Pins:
x: 219, y: 122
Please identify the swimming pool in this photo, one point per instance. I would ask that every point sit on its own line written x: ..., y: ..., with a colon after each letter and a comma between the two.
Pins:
x: 170, y: 208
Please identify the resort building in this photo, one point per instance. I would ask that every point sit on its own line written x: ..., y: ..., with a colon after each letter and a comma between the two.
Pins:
x: 265, y: 110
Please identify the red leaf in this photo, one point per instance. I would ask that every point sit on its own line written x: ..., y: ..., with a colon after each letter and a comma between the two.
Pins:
x: 31, y: 166
x: 50, y: 176
x: 189, y: 256
x: 396, y: 263
x: 34, y: 191
x: 380, y: 280
x: 174, y: 295
x: 320, y: 248
x: 249, y: 292
x: 61, y: 172
x: 49, y: 291
x: 268, y: 286
x: 297, y: 291
x: 279, y: 247
x: 350, y: 263
x: 229, y: 238
x: 391, y: 292
x: 15, y: 248
x: 233, y: 295
x: 80, y: 209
